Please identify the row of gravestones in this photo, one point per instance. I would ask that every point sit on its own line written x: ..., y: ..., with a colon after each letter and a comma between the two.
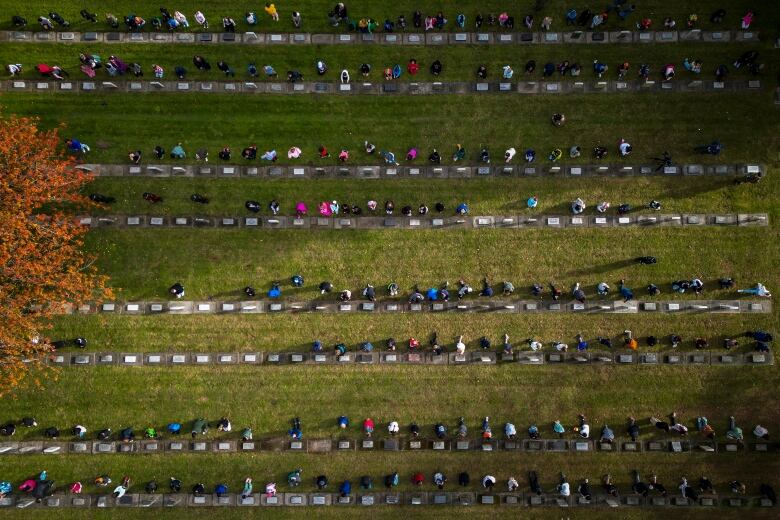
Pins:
x: 417, y: 172
x: 251, y: 87
x: 501, y: 306
x: 485, y: 305
x: 156, y: 446
x: 376, y: 499
x: 601, y: 358
x: 417, y: 222
x: 456, y: 38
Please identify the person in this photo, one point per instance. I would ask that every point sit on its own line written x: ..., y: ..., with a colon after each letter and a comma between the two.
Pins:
x: 295, y: 432
x: 368, y: 426
x: 418, y: 478
x: 558, y: 428
x: 599, y: 68
x: 633, y: 429
x: 391, y: 480
x: 761, y: 432
x: 637, y: 486
x: 440, y: 430
x: 668, y: 72
x: 582, y: 345
x: 577, y: 206
x: 734, y: 432
x: 624, y: 148
x: 759, y: 290
x: 607, y: 435
x: 558, y: 119
x: 583, y: 428
x: 460, y: 347
x: 510, y: 431
x: 688, y: 491
x: 296, y: 19
x: 563, y: 486
x: 488, y: 481
x: 747, y: 20
x: 625, y: 292
x: 602, y: 289
x: 484, y: 155
x: 578, y: 293
x: 705, y: 485
x: 584, y: 490
x: 462, y: 208
x: 533, y: 432
x: 14, y: 68
x: 533, y: 344
x: 609, y: 488
x: 246, y: 434
x: 275, y: 291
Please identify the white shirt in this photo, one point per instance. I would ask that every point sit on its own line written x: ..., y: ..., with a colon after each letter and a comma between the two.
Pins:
x: 487, y: 480
x: 561, y: 347
x: 624, y: 146
x: 564, y: 489
x: 120, y: 491
x: 393, y: 427
x: 460, y: 347
x: 759, y: 431
x: 509, y: 154
x: 535, y: 345
x: 510, y: 429
x: 512, y: 484
x: 585, y: 431
x: 603, y: 287
x: 603, y: 207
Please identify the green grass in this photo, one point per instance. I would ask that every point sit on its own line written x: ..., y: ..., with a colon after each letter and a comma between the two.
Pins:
x: 397, y: 123
x: 315, y: 20
x: 215, y: 263
x: 460, y: 62
x: 498, y: 196
x: 267, y: 398
x: 296, y: 332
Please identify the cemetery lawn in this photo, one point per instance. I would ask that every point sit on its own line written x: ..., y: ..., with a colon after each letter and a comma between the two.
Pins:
x: 267, y: 398
x: 315, y: 20
x: 493, y: 196
x: 460, y: 63
x: 296, y: 332
x: 651, y: 122
x: 219, y: 263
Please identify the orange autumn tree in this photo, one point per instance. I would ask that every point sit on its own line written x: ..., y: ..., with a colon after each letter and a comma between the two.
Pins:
x: 42, y: 264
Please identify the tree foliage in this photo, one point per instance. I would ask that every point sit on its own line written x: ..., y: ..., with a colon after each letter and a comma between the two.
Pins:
x: 42, y: 263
